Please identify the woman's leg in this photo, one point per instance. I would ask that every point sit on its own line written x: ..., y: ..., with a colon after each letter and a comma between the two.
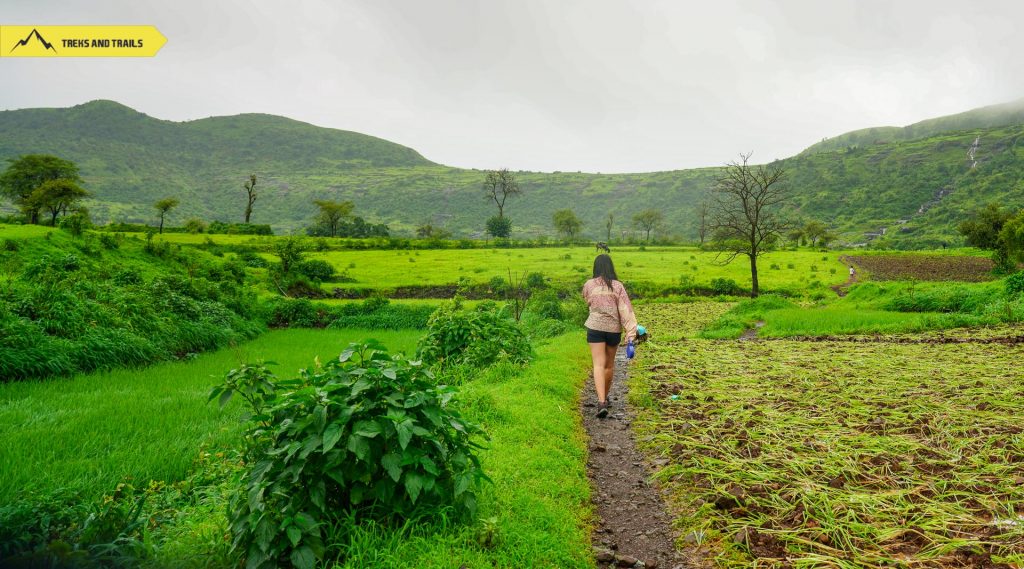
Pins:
x: 609, y: 366
x: 597, y: 353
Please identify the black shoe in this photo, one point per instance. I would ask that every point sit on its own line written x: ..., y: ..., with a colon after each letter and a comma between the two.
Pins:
x: 602, y: 410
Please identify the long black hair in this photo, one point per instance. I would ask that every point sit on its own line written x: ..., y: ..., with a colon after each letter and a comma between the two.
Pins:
x: 604, y: 269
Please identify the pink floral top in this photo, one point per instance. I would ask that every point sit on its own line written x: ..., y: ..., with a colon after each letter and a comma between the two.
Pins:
x: 610, y: 309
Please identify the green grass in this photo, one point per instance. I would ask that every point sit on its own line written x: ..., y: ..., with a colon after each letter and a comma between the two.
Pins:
x: 660, y: 265
x: 836, y: 454
x: 875, y: 308
x: 831, y: 320
x: 535, y: 514
x: 539, y: 502
x: 88, y: 432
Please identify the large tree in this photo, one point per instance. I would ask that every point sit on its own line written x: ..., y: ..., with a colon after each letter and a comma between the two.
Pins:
x: 56, y: 197
x: 984, y: 230
x: 250, y: 192
x: 332, y: 213
x: 163, y: 207
x: 567, y: 223
x: 499, y: 185
x: 647, y: 220
x: 26, y: 173
x: 746, y: 220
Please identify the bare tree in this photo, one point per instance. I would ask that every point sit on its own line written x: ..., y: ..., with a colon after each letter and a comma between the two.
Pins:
x: 250, y: 190
x: 499, y: 186
x: 608, y: 227
x: 745, y: 217
x: 703, y: 222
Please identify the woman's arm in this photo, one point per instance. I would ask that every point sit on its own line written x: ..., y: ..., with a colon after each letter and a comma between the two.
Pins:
x: 627, y: 318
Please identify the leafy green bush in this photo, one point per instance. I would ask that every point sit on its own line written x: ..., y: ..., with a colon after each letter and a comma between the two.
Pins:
x: 1015, y: 284
x: 316, y: 269
x: 252, y: 259
x: 546, y: 304
x: 473, y: 337
x: 535, y: 281
x: 724, y: 286
x: 366, y: 432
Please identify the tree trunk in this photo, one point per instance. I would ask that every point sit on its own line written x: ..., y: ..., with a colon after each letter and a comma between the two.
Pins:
x: 161, y: 225
x: 648, y: 238
x: 753, y: 276
x: 53, y: 220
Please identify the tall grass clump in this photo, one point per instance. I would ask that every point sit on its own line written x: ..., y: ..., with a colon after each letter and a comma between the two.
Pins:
x: 62, y: 312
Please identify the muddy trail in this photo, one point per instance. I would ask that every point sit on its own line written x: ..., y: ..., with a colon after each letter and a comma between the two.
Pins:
x: 842, y: 289
x: 634, y: 528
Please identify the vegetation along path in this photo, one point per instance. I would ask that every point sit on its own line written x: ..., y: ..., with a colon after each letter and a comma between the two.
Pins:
x: 634, y: 528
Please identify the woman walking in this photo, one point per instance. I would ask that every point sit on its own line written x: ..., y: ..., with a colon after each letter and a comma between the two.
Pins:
x: 611, y: 313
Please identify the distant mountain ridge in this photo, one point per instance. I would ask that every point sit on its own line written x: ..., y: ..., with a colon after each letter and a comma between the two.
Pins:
x: 909, y: 187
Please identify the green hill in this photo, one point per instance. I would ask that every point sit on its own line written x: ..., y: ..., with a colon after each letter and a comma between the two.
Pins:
x: 1005, y: 114
x: 129, y: 160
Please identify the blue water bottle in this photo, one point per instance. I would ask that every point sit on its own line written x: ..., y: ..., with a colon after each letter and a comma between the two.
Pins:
x: 630, y: 350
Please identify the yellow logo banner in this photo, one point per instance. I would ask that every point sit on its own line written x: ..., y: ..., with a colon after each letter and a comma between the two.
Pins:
x: 80, y: 41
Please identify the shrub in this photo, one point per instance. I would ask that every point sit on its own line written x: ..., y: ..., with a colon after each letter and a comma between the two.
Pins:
x: 110, y: 241
x: 11, y: 245
x: 1015, y: 284
x: 546, y: 304
x: 316, y: 269
x: 724, y: 286
x: 535, y: 281
x: 290, y: 251
x: 252, y: 259
x: 473, y: 337
x: 194, y: 225
x: 367, y: 432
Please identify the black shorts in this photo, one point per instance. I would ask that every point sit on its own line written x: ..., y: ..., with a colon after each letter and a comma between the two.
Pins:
x: 598, y: 337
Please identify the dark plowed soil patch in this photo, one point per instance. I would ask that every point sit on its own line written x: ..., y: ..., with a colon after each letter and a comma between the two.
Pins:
x: 634, y: 528
x: 925, y: 267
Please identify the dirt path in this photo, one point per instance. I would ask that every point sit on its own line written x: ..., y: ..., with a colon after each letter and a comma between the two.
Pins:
x: 634, y: 529
x: 842, y: 288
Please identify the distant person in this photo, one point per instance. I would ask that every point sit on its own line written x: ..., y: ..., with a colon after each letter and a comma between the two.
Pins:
x: 611, y: 313
x: 852, y: 271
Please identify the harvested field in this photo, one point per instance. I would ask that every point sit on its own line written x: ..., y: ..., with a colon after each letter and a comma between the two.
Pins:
x: 837, y: 454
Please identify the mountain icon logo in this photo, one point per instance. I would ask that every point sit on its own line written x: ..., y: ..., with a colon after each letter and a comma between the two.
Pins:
x: 39, y: 37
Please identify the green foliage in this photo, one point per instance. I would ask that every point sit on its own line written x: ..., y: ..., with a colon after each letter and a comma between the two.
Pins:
x: 64, y: 312
x: 372, y: 314
x: 878, y: 183
x: 34, y: 181
x: 984, y: 231
x: 194, y: 225
x: 239, y: 228
x: 290, y: 252
x: 567, y: 223
x: 546, y: 304
x: 316, y: 269
x: 476, y: 338
x: 724, y: 286
x: 499, y: 227
x: 367, y: 432
x: 535, y: 281
x: 1015, y: 284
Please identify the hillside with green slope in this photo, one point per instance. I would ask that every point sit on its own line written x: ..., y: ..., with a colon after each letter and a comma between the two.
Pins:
x: 1005, y: 114
x: 918, y: 189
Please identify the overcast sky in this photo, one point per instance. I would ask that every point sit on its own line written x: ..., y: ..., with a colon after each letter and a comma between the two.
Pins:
x: 592, y: 85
